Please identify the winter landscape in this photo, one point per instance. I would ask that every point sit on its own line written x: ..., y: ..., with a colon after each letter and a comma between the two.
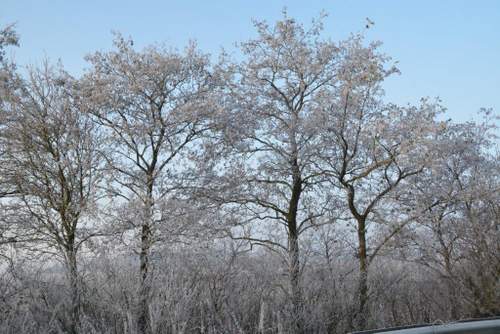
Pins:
x: 275, y: 185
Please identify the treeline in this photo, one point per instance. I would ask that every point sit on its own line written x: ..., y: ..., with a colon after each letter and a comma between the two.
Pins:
x: 163, y: 191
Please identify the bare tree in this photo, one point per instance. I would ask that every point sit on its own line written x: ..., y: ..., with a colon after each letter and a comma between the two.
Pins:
x: 8, y: 36
x: 152, y: 106
x: 272, y: 102
x: 52, y: 162
x: 461, y: 221
x: 369, y: 148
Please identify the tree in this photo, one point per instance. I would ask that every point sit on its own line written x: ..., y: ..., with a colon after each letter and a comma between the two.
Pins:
x: 8, y: 36
x: 153, y: 106
x: 272, y: 103
x: 51, y: 160
x: 480, y: 238
x: 455, y: 237
x: 369, y: 149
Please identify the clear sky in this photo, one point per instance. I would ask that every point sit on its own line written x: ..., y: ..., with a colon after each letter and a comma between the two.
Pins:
x: 445, y: 48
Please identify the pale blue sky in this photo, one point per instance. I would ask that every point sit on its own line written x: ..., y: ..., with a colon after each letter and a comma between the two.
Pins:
x: 449, y: 49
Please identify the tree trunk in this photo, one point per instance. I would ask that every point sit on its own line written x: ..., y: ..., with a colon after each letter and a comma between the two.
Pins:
x: 279, y: 323
x: 143, y: 324
x: 450, y: 284
x: 294, y: 254
x: 295, y: 288
x: 362, y: 316
x: 262, y: 317
x: 74, y: 291
x: 143, y: 321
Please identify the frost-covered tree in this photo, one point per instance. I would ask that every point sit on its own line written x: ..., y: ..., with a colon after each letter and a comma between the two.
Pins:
x: 52, y: 163
x: 152, y: 106
x: 455, y: 237
x: 368, y: 150
x: 8, y: 36
x: 273, y: 104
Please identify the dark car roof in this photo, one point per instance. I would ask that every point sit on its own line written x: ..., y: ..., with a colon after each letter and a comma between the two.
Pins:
x: 474, y: 326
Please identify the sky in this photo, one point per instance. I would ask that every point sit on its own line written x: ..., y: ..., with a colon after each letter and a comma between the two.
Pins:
x: 446, y: 49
